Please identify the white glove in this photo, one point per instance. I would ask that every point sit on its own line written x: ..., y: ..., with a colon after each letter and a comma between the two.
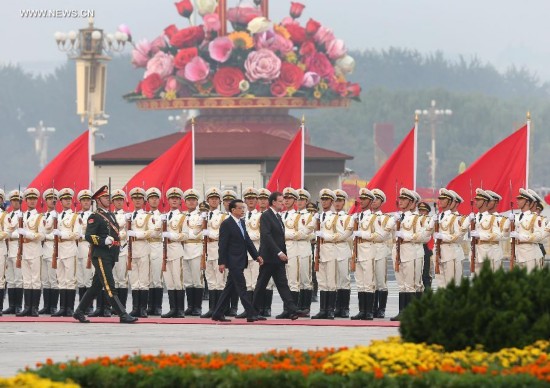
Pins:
x: 22, y: 232
x: 204, y: 215
x: 357, y: 233
x: 400, y: 234
x: 65, y: 235
x: 435, y: 218
x: 471, y: 217
x: 205, y: 233
x: 320, y: 234
x: 354, y: 216
x: 15, y: 217
x: 438, y: 236
x: 83, y: 237
x: 514, y: 234
x: 139, y: 235
x: 474, y: 233
x: 316, y: 216
x: 522, y: 237
x: 128, y: 216
x: 163, y: 217
x: 56, y: 232
x: 512, y: 216
x: 131, y: 233
x: 53, y: 214
x: 397, y: 216
x: 109, y: 240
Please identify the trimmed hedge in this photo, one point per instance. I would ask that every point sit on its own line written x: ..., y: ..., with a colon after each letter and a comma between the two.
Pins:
x: 496, y: 310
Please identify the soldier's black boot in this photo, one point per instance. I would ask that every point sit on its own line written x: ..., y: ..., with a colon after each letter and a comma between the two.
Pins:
x: 123, y: 296
x: 382, y: 301
x: 205, y: 291
x: 71, y: 296
x: 369, y: 305
x: 268, y: 300
x: 11, y: 302
x: 418, y: 294
x: 28, y: 303
x: 331, y: 304
x: 157, y: 311
x: 197, y: 306
x: 18, y: 300
x: 151, y: 300
x: 124, y: 317
x: 135, y: 303
x: 99, y: 305
x: 337, y: 306
x: 80, y: 316
x: 375, y: 303
x: 344, y: 304
x: 172, y: 303
x: 305, y: 299
x: 190, y: 300
x: 401, y: 306
x: 323, y: 300
x: 46, y: 306
x: 35, y: 298
x: 62, y: 303
x: 362, y: 313
x: 54, y: 300
x: 1, y: 300
x: 211, y: 304
x: 81, y: 292
x: 180, y: 303
x: 106, y: 305
x: 143, y: 298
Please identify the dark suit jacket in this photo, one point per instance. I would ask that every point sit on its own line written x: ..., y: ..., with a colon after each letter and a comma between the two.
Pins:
x: 272, y: 238
x: 102, y: 224
x: 232, y: 247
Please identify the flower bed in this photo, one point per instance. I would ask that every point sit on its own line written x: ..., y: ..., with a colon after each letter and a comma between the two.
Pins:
x: 30, y: 380
x: 389, y: 362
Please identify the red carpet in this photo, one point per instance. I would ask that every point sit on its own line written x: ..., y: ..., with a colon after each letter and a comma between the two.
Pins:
x: 199, y: 321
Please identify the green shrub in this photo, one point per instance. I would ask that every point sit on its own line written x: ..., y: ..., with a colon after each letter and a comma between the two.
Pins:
x: 496, y: 309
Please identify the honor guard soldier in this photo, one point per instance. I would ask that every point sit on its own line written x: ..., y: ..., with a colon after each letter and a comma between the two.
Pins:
x: 252, y: 224
x: 214, y: 278
x: 192, y: 252
x: 344, y: 228
x: 528, y: 233
x: 410, y: 237
x: 33, y: 235
x: 120, y: 269
x: 102, y: 234
x: 313, y: 208
x: 4, y: 240
x: 84, y: 275
x: 326, y: 276
x: 68, y: 232
x: 14, y: 278
x: 503, y: 223
x: 143, y: 229
x: 231, y: 311
x: 291, y: 220
x: 304, y: 236
x: 263, y: 205
x: 540, y: 220
x: 48, y: 275
x: 155, y: 286
x: 173, y: 276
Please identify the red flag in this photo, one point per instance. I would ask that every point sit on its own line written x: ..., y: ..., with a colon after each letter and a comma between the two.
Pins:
x: 289, y: 172
x: 503, y: 165
x: 174, y: 168
x: 70, y: 168
x: 547, y: 199
x: 398, y: 171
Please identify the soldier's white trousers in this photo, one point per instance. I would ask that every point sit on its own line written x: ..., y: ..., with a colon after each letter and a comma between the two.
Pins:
x: 365, y: 275
x: 48, y: 275
x: 251, y: 274
x: 214, y: 279
x: 406, y: 276
x: 30, y: 269
x: 495, y: 265
x: 292, y: 274
x: 139, y: 275
x: 173, y: 276
x: 342, y: 274
x: 530, y: 265
x: 192, y: 274
x: 450, y: 272
x: 66, y: 273
x: 3, y: 259
x: 326, y: 276
x: 14, y: 277
x: 304, y: 264
x: 418, y: 268
x: 381, y: 274
x: 84, y: 275
x: 120, y: 272
x: 156, y: 266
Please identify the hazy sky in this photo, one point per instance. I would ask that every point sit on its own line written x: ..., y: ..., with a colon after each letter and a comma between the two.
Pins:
x: 503, y: 32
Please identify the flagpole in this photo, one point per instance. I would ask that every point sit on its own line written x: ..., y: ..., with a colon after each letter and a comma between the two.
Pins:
x: 528, y: 143
x: 193, y: 151
x: 415, y: 149
x: 91, y: 150
x: 302, y: 161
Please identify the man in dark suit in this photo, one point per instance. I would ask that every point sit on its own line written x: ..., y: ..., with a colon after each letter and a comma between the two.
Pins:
x: 234, y: 243
x: 273, y: 251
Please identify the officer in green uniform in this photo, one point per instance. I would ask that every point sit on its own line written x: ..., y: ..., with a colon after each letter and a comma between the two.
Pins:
x: 102, y: 234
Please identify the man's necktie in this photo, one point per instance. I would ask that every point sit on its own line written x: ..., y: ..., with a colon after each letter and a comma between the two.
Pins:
x: 520, y: 216
x: 134, y: 216
x: 28, y: 215
x: 249, y: 214
x: 286, y: 215
x: 241, y: 226
x: 324, y: 216
x: 361, y: 216
x: 170, y: 216
x: 280, y: 221
x: 82, y: 215
x: 402, y: 216
x: 479, y: 217
x: 210, y: 215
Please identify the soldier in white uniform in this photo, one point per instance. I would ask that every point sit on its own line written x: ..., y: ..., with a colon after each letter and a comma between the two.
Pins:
x: 173, y: 276
x: 85, y: 275
x: 143, y: 229
x: 14, y: 278
x: 4, y: 239
x: 48, y: 275
x: 503, y: 223
x: 33, y: 235
x: 120, y: 268
x: 192, y: 252
x: 528, y: 233
x: 304, y: 236
x: 540, y: 220
x: 411, y: 235
x: 326, y: 274
x: 214, y: 278
x: 155, y: 287
x: 252, y: 223
x: 68, y: 231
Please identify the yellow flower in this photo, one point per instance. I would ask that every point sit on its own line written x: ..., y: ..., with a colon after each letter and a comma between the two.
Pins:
x: 241, y: 39
x: 30, y: 380
x: 317, y: 94
x: 170, y: 95
x: 291, y: 57
x: 281, y: 31
x: 323, y: 85
x: 290, y: 91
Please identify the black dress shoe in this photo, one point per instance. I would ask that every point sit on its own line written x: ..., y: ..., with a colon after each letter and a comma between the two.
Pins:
x: 221, y: 319
x: 260, y: 318
x: 80, y: 317
x: 127, y: 318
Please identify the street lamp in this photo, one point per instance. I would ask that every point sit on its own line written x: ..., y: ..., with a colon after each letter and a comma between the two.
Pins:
x: 434, y: 116
x: 41, y: 134
x: 89, y: 48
